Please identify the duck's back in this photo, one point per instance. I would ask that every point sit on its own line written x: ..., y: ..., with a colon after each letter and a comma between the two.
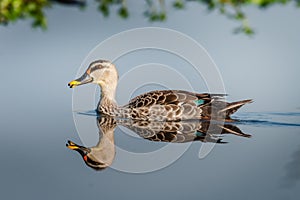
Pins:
x: 175, y: 105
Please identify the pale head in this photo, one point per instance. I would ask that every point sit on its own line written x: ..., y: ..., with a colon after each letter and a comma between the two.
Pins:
x: 101, y: 72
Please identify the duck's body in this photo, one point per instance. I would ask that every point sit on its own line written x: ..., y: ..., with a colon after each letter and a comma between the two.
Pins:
x: 163, y: 105
x: 174, y: 105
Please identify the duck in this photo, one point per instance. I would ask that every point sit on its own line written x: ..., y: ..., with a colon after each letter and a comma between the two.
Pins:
x: 102, y: 155
x: 158, y: 105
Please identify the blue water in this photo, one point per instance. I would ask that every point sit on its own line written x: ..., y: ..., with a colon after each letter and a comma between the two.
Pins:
x: 36, y: 163
x: 270, y: 119
x: 265, y: 166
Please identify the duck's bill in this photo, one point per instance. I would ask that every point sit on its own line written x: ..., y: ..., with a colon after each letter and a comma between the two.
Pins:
x: 80, y: 81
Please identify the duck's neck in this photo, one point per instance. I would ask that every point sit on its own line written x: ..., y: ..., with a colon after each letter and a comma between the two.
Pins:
x: 107, y: 103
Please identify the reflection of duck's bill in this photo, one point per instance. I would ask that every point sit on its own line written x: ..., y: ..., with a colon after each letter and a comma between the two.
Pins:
x: 73, y: 146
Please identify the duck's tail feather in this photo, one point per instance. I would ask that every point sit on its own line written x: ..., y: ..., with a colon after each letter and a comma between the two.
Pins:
x: 233, y: 107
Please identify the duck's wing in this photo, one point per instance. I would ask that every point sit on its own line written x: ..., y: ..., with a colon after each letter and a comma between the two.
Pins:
x: 175, y: 97
x: 181, y: 105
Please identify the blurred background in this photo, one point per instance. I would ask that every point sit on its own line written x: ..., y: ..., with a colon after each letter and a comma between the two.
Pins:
x: 260, y: 62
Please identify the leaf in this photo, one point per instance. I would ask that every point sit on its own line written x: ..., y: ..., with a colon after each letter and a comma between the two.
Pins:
x: 123, y: 12
x: 178, y: 4
x: 104, y: 9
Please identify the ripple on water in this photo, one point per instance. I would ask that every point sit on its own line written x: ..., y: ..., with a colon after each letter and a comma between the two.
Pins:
x: 269, y: 119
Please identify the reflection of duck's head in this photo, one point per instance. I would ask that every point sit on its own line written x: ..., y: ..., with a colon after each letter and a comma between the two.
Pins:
x: 88, y: 156
x: 101, y: 155
x: 100, y: 72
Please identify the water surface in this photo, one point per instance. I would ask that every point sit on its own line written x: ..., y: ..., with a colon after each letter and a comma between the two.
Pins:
x: 265, y: 166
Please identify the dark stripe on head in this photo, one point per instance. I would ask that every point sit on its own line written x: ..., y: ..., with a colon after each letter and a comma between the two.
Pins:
x: 98, y: 64
x: 99, y: 61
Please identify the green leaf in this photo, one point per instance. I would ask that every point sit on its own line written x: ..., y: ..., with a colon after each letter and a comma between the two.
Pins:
x: 104, y: 9
x: 178, y: 4
x: 123, y: 12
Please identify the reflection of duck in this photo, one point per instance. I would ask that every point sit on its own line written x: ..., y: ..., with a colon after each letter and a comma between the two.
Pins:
x: 164, y: 105
x: 182, y: 131
x: 102, y: 155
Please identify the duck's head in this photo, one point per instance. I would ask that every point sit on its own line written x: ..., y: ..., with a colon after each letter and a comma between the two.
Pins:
x: 87, y: 155
x: 101, y: 72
